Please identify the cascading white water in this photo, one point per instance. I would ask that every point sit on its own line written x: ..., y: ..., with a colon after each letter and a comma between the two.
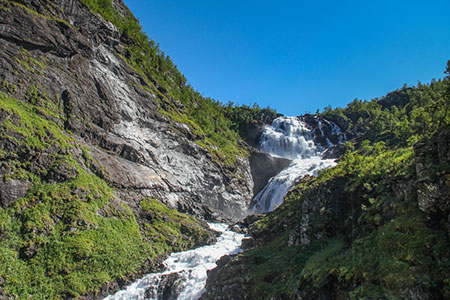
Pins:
x: 191, y: 267
x: 289, y: 137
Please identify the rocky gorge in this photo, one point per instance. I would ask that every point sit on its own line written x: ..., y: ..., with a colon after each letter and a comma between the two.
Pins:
x: 110, y: 161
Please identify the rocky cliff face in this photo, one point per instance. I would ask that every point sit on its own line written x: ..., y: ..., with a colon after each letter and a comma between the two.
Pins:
x: 89, y: 150
x: 61, y: 51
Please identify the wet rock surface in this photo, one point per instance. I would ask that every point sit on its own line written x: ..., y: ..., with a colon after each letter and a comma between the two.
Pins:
x: 139, y: 150
x: 167, y: 288
x: 263, y: 166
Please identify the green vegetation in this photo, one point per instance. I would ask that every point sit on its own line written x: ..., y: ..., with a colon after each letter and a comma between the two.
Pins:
x: 170, y: 230
x: 384, y: 248
x: 244, y: 116
x: 368, y: 239
x: 8, y: 87
x: 51, y: 10
x: 70, y: 234
x: 401, y: 118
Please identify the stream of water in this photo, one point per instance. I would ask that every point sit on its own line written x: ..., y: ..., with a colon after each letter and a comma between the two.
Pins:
x: 190, y: 268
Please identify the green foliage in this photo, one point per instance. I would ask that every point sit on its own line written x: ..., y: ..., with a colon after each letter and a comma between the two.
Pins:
x: 400, y: 118
x: 243, y: 116
x: 380, y: 246
x: 397, y: 255
x: 273, y: 269
x: 388, y: 247
x: 169, y: 230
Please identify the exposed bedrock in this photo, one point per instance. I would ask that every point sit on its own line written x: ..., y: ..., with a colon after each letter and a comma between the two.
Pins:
x: 263, y: 167
x: 109, y: 106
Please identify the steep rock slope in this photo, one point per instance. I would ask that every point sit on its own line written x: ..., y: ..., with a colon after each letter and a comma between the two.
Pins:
x: 62, y: 54
x: 94, y: 149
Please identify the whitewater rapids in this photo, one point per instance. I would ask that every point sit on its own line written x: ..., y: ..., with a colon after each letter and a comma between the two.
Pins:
x: 191, y: 266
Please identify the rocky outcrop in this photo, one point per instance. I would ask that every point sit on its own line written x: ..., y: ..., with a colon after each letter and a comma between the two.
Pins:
x: 11, y: 190
x: 263, y: 166
x: 222, y: 283
x: 74, y: 58
x: 324, y: 132
x: 165, y: 288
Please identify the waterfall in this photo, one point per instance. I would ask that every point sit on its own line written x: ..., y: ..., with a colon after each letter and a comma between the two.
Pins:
x: 292, y: 138
x: 288, y: 137
x: 186, y: 271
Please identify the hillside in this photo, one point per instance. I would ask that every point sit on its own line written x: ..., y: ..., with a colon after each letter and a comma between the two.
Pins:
x: 374, y: 227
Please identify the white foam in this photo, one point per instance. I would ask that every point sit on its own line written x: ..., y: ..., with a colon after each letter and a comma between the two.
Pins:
x: 191, y: 265
x: 290, y: 137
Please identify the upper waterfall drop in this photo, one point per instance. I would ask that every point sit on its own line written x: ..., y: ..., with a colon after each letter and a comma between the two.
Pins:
x: 293, y: 138
x: 289, y: 137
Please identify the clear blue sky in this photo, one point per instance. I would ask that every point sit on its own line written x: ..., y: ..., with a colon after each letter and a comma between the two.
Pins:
x: 297, y: 56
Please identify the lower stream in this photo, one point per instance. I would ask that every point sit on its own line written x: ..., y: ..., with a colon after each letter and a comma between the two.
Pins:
x: 188, y: 268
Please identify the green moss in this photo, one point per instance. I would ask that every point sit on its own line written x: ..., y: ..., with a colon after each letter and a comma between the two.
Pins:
x: 8, y: 87
x: 169, y: 230
x: 37, y: 132
x: 25, y: 65
x: 29, y: 63
x: 50, y: 17
x: 60, y: 245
